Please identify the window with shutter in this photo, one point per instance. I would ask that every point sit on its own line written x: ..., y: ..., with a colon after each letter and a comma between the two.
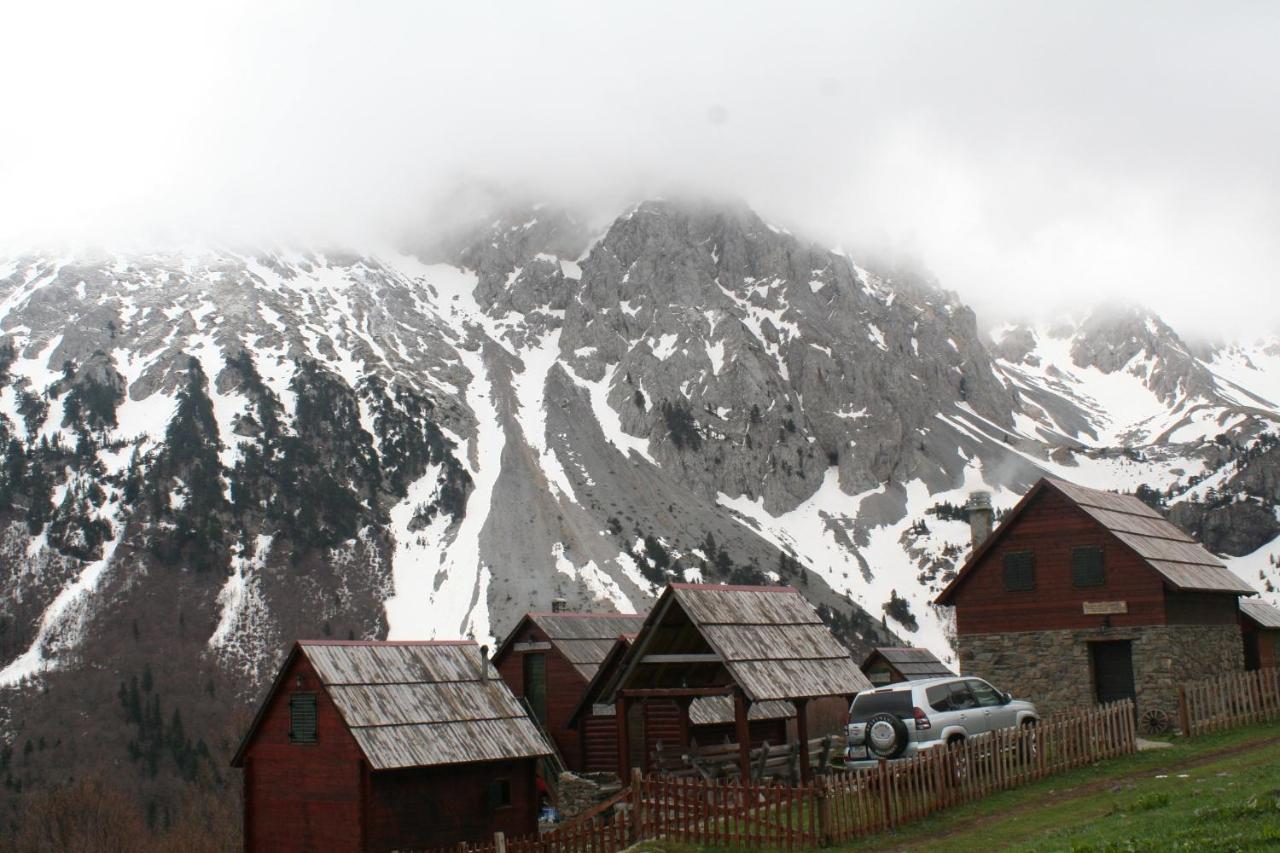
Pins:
x: 499, y: 793
x: 1087, y: 568
x: 302, y: 718
x: 1020, y: 571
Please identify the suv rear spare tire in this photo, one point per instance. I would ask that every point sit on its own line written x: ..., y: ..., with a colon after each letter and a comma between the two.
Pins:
x: 886, y: 736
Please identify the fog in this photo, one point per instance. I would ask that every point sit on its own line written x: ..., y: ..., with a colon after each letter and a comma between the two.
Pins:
x: 1034, y: 159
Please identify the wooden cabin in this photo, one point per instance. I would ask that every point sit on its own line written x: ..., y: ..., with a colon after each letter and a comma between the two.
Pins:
x: 548, y: 659
x: 890, y: 665
x: 1260, y: 627
x: 1084, y: 596
x: 743, y: 644
x: 659, y: 722
x: 380, y: 746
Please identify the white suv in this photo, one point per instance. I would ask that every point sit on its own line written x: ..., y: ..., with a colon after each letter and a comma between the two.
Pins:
x: 902, y: 719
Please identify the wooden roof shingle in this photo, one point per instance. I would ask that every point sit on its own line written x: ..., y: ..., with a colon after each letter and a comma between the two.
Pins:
x: 1262, y: 614
x: 1181, y: 561
x: 420, y: 704
x: 913, y: 663
x: 583, y: 638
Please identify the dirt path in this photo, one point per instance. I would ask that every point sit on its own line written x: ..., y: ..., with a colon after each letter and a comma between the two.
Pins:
x: 1079, y: 791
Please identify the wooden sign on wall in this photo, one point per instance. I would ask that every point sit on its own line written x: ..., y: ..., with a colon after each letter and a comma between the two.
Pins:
x: 1105, y: 608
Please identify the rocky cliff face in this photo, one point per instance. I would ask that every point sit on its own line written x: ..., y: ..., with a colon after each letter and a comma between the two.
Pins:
x: 209, y: 454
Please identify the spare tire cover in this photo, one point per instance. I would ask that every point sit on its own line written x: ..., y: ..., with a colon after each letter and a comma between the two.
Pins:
x: 886, y: 735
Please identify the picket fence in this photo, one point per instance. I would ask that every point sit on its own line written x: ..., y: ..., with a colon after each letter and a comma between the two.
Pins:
x: 1229, y: 700
x: 837, y: 806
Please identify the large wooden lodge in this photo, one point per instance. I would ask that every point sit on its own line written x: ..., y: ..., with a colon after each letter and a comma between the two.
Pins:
x: 1084, y: 596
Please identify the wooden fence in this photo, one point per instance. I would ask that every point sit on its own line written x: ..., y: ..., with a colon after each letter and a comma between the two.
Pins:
x: 839, y: 806
x: 1229, y: 700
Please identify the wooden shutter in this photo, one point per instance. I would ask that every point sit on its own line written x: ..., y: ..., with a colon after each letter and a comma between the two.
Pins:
x: 1020, y: 571
x: 302, y: 718
x: 1087, y: 567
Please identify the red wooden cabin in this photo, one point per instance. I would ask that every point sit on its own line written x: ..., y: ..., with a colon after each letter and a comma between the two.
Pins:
x: 1083, y: 595
x: 548, y: 659
x: 380, y: 746
x: 1260, y: 625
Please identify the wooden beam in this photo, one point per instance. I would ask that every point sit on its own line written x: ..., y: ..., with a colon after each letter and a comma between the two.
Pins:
x: 802, y: 732
x: 624, y: 737
x: 743, y: 734
x: 710, y: 657
x: 675, y: 692
x: 531, y: 647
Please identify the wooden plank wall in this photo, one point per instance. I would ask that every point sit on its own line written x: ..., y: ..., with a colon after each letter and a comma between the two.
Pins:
x: 1051, y: 527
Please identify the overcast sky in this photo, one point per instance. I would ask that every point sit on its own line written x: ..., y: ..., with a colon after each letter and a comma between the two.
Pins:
x: 1031, y: 155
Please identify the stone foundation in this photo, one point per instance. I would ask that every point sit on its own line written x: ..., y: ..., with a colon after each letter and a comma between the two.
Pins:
x: 1053, y: 668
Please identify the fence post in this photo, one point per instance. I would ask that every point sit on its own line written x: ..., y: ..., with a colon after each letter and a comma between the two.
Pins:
x: 884, y: 794
x: 499, y: 842
x: 1184, y: 717
x: 637, y: 805
x: 822, y: 791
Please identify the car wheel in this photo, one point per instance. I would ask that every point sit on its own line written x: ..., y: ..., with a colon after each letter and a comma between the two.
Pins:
x: 886, y: 736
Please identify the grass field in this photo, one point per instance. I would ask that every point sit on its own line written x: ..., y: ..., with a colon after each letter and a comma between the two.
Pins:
x: 1217, y: 792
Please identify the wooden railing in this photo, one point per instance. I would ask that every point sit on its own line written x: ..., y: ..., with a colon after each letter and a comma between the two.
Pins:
x: 839, y: 806
x: 1229, y: 700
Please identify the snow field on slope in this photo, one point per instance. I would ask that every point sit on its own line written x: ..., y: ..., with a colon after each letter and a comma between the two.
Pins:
x: 440, y: 582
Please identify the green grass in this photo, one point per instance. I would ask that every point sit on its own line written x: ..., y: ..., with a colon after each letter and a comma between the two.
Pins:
x: 1218, y: 792
x: 1158, y: 800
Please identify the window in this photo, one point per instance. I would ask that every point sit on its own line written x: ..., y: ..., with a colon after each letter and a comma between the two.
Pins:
x: 1020, y: 571
x: 985, y: 693
x: 1087, y: 568
x: 302, y: 718
x: 962, y: 697
x: 499, y: 793
x: 939, y: 697
x: 868, y: 704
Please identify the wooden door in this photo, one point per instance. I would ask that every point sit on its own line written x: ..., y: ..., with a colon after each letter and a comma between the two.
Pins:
x: 535, y: 685
x: 1113, y: 670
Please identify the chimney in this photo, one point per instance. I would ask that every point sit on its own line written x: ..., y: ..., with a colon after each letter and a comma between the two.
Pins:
x: 484, y: 664
x: 559, y: 605
x: 980, y: 517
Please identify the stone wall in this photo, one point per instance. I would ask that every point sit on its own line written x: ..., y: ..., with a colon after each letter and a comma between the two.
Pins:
x: 1053, y: 668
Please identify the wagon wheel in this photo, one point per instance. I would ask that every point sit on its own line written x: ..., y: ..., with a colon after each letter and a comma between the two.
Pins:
x: 1154, y: 721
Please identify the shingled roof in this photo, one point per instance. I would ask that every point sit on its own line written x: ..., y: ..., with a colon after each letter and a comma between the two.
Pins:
x: 1262, y: 614
x: 703, y: 711
x: 418, y: 704
x: 768, y: 640
x: 1182, y: 561
x: 583, y: 638
x: 913, y: 663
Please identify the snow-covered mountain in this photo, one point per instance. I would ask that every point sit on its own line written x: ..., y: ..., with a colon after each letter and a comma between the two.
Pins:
x: 209, y: 453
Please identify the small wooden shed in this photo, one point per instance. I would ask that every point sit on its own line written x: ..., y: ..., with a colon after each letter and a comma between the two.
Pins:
x: 709, y: 721
x: 1260, y: 627
x: 749, y: 644
x: 380, y: 746
x: 890, y: 665
x: 548, y: 659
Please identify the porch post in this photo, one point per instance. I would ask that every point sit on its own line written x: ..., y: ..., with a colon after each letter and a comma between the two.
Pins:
x: 620, y: 709
x: 743, y: 734
x: 802, y: 732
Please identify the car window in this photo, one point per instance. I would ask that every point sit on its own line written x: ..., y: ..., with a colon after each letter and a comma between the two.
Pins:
x: 962, y: 697
x: 987, y: 695
x: 867, y: 705
x: 939, y: 697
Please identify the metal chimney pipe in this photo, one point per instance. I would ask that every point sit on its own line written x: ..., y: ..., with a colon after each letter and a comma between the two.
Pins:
x: 981, y: 517
x: 484, y: 664
x: 559, y: 605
